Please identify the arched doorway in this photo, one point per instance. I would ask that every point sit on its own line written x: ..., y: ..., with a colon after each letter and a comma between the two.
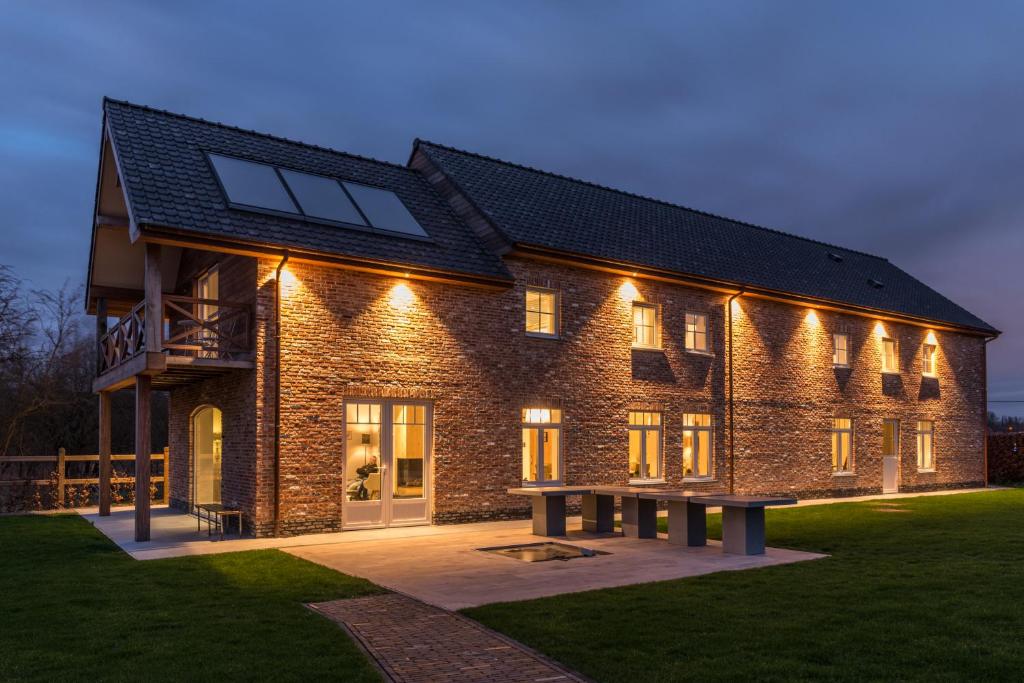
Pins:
x: 206, y: 452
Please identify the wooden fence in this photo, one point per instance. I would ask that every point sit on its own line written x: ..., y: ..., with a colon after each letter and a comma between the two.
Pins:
x: 61, y: 461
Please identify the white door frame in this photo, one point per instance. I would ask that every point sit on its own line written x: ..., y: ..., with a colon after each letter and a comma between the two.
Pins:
x: 389, y: 511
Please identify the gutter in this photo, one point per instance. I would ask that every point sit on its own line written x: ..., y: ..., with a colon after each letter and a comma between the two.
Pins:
x: 277, y: 394
x: 732, y: 411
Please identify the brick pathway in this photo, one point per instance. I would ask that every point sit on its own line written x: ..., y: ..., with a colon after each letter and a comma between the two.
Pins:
x: 413, y: 641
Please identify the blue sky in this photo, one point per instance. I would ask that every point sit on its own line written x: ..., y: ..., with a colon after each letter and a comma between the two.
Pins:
x: 895, y: 128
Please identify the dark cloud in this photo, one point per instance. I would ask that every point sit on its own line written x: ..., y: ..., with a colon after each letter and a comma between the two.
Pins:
x: 889, y: 127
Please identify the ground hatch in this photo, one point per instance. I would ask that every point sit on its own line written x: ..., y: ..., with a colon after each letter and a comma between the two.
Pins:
x: 543, y: 552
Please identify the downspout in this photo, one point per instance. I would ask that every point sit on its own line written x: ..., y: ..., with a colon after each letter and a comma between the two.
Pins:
x: 732, y: 412
x: 277, y: 394
x: 984, y: 409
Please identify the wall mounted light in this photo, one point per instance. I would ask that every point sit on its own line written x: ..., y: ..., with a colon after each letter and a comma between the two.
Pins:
x: 402, y: 298
x: 628, y: 291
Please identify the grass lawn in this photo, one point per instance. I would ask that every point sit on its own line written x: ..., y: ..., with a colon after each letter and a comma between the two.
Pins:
x: 74, y: 607
x: 917, y: 588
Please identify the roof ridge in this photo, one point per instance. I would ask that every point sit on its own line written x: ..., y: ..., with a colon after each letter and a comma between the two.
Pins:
x: 250, y: 131
x: 636, y: 195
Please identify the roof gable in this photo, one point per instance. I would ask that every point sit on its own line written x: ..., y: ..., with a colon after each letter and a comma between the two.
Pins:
x: 530, y: 207
x: 169, y: 183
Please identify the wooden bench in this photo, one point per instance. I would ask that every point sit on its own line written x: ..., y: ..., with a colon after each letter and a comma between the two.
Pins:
x: 215, y: 513
x: 742, y: 520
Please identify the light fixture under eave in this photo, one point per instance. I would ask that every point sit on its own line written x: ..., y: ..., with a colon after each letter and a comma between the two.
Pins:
x: 402, y: 298
x: 812, y: 318
x: 628, y: 291
x: 931, y: 339
x: 879, y: 329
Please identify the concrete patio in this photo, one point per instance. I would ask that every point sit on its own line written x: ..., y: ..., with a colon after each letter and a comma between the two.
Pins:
x: 442, y: 565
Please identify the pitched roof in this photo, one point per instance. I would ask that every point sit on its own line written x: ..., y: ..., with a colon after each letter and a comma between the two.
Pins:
x: 169, y: 183
x: 530, y: 207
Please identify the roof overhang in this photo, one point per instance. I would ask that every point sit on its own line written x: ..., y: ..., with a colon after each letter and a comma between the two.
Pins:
x: 725, y: 287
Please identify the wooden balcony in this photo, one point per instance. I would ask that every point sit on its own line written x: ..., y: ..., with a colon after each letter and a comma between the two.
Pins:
x: 198, y: 338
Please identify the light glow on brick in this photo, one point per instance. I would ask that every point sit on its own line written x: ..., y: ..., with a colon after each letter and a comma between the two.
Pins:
x: 402, y: 297
x: 629, y: 292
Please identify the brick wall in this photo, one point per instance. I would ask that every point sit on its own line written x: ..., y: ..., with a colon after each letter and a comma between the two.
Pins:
x: 788, y: 392
x: 349, y: 334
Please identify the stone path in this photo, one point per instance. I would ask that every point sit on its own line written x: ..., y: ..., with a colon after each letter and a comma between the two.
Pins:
x: 413, y: 641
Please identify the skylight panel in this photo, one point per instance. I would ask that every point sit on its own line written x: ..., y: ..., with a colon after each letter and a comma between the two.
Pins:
x: 384, y: 210
x: 321, y: 197
x: 252, y: 184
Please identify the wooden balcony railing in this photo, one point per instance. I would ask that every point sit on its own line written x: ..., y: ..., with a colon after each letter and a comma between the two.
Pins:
x: 192, y: 327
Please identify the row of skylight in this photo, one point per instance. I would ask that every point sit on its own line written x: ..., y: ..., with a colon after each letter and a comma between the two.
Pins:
x: 317, y: 197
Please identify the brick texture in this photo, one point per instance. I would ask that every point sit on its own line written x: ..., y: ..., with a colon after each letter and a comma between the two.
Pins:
x: 350, y: 334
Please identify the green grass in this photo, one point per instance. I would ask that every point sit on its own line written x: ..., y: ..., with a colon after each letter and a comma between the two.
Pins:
x: 74, y: 607
x: 920, y: 588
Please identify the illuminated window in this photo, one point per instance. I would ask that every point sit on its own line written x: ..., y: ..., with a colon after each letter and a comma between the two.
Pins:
x: 541, y: 312
x: 645, y: 326
x: 842, y: 444
x: 890, y: 357
x: 696, y: 332
x: 644, y: 445
x: 696, y: 445
x: 890, y: 438
x: 926, y: 445
x: 542, y: 443
x: 928, y: 360
x: 841, y: 350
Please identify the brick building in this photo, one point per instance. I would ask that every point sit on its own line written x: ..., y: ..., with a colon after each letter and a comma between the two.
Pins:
x: 459, y: 325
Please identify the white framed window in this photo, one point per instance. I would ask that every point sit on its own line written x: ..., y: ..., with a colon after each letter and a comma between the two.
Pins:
x: 541, y: 312
x: 928, y: 360
x: 542, y: 445
x: 644, y: 445
x: 697, y: 332
x: 890, y: 355
x: 842, y: 444
x: 925, y: 445
x: 645, y: 325
x: 697, y: 445
x: 841, y: 350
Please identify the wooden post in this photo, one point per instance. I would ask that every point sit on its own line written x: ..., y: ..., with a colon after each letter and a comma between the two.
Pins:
x: 154, y: 325
x: 60, y: 476
x: 104, y: 482
x: 143, y: 386
x: 101, y: 329
x: 167, y: 475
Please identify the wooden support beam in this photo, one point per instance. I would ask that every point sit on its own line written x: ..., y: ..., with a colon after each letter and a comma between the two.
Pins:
x: 154, y: 299
x: 101, y: 329
x: 143, y: 386
x: 104, y: 483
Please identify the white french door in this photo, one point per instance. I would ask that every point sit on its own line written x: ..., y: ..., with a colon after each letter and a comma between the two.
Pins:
x: 387, y: 463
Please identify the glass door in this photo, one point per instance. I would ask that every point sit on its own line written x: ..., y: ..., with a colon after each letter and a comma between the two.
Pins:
x: 890, y: 456
x: 206, y: 455
x: 387, y: 464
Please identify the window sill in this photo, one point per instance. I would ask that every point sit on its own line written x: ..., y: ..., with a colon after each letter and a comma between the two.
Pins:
x: 891, y: 372
x: 927, y: 375
x: 646, y: 482
x: 698, y: 352
x: 931, y: 471
x: 541, y: 335
x: 535, y: 484
x: 655, y: 349
x: 844, y: 474
x: 840, y: 366
x: 699, y: 480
